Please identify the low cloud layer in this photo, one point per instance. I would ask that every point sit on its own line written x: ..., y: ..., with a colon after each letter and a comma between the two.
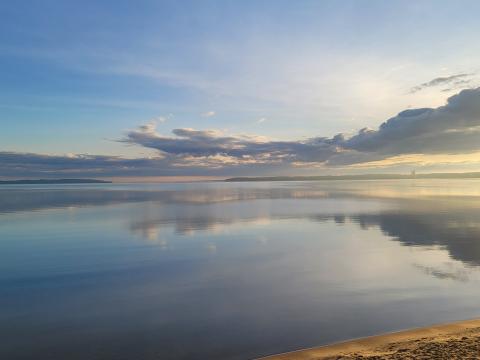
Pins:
x: 450, y: 129
x: 27, y: 165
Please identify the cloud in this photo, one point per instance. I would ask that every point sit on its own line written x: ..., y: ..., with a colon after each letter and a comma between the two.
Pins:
x: 261, y: 120
x: 242, y: 148
x: 30, y: 164
x: 208, y: 114
x: 457, y: 80
x: 456, y: 275
x: 160, y: 119
x: 448, y: 130
x: 157, y: 120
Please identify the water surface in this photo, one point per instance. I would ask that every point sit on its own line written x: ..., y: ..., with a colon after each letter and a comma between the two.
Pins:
x: 230, y: 271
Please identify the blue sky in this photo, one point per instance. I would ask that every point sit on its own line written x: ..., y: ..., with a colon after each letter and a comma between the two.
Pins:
x: 79, y: 76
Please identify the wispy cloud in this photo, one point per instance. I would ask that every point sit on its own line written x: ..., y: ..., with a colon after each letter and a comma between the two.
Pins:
x: 457, y: 80
x: 208, y: 114
x: 160, y: 119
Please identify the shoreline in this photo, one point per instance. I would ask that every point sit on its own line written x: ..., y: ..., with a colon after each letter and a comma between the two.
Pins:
x: 448, y: 340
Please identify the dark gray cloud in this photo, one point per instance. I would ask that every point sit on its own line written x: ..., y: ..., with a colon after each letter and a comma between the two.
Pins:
x: 457, y: 80
x: 27, y: 165
x: 14, y: 164
x: 450, y: 129
x: 208, y: 143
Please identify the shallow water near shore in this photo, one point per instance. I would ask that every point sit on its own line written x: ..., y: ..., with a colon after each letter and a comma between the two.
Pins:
x: 231, y: 270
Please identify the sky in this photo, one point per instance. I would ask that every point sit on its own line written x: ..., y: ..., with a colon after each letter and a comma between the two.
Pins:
x: 226, y: 88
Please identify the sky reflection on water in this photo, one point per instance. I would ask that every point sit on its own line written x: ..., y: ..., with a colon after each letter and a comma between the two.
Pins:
x: 230, y: 271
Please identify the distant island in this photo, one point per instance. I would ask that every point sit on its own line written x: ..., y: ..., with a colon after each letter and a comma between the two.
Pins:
x: 53, y: 181
x: 470, y: 175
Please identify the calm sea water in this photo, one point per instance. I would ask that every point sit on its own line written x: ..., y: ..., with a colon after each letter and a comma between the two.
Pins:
x: 230, y: 271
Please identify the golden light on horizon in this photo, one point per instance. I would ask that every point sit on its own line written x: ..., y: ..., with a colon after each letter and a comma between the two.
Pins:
x: 422, y: 160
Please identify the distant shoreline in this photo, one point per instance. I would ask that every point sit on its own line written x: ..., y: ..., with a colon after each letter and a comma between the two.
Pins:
x: 470, y: 175
x: 451, y: 340
x: 53, y: 181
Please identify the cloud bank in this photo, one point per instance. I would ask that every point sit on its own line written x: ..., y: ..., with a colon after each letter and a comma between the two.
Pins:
x: 450, y: 129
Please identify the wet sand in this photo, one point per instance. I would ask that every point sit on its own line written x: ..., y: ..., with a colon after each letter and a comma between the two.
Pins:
x: 459, y: 340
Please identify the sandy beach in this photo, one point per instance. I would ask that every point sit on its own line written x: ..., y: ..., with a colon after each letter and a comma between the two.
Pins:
x: 459, y: 340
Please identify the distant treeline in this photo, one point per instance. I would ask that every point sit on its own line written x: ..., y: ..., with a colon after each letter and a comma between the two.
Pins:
x: 471, y: 175
x: 53, y: 181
